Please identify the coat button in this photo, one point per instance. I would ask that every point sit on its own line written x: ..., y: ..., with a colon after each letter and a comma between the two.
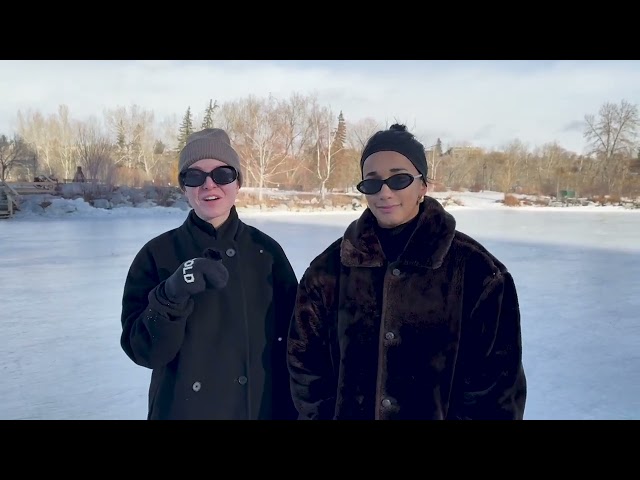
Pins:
x: 230, y: 252
x: 196, y: 386
x: 386, y: 403
x: 242, y: 380
x: 395, y: 272
x: 389, y: 335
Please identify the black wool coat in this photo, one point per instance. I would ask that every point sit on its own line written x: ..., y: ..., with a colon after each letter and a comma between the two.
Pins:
x: 221, y: 354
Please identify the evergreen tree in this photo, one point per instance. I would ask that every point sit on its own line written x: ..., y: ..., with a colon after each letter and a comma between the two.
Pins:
x: 159, y: 147
x: 340, y: 135
x: 186, y: 128
x: 207, y: 121
x: 438, y: 151
x: 634, y: 165
x: 122, y: 146
x: 122, y: 140
x: 344, y: 170
x: 136, y: 141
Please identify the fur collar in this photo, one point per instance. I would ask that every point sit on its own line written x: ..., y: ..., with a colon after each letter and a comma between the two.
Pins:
x: 427, y: 247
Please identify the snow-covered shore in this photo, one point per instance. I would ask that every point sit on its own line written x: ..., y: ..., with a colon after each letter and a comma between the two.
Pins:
x: 73, y: 200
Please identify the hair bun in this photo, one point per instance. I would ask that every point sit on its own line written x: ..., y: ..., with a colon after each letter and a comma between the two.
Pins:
x: 398, y: 127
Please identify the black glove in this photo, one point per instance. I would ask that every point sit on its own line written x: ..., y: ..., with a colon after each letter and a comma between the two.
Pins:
x: 196, y: 275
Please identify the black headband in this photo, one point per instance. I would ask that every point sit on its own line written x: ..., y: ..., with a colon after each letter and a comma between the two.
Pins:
x: 389, y: 141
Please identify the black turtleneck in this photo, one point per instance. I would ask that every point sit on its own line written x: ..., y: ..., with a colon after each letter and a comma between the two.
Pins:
x: 394, y: 240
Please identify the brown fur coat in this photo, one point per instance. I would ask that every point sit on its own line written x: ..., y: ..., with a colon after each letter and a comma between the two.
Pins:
x: 434, y: 335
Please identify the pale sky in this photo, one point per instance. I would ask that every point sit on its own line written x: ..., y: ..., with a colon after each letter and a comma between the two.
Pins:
x: 483, y: 103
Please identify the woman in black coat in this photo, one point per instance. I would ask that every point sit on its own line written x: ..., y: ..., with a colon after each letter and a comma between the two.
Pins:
x: 206, y: 306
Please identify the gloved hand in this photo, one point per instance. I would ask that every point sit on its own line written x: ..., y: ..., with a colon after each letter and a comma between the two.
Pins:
x: 195, y: 276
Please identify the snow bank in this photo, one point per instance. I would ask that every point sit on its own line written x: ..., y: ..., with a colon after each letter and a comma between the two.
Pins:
x: 87, y: 200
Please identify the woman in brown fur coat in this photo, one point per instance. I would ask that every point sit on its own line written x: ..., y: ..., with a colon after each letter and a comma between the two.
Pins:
x: 404, y: 317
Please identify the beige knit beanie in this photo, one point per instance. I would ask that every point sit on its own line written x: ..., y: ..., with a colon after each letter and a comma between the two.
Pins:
x: 209, y: 143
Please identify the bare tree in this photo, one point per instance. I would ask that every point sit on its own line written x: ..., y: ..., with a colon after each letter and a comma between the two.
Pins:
x: 166, y: 167
x: 463, y: 167
x: 230, y: 118
x: 65, y: 141
x: 296, y: 130
x: 13, y: 151
x: 548, y: 160
x: 434, y: 159
x: 264, y: 142
x: 94, y: 151
x: 359, y: 132
x: 612, y: 138
x: 133, y: 131
x: 323, y: 136
x: 165, y: 132
x: 515, y: 156
x: 38, y: 132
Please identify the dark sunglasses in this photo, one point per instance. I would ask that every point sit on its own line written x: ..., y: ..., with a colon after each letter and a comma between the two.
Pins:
x: 398, y: 181
x: 192, y: 177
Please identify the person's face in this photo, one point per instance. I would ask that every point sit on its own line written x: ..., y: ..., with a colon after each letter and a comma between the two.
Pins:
x: 212, y: 202
x: 393, y: 207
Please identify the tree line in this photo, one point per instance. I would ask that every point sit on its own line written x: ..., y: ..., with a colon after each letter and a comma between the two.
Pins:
x: 297, y: 143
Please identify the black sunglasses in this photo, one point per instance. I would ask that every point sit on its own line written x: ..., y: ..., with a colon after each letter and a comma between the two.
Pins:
x: 398, y: 181
x: 192, y: 177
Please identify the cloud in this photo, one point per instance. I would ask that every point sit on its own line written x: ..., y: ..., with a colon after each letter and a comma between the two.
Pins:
x: 573, y: 126
x: 484, y: 131
x: 488, y: 103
